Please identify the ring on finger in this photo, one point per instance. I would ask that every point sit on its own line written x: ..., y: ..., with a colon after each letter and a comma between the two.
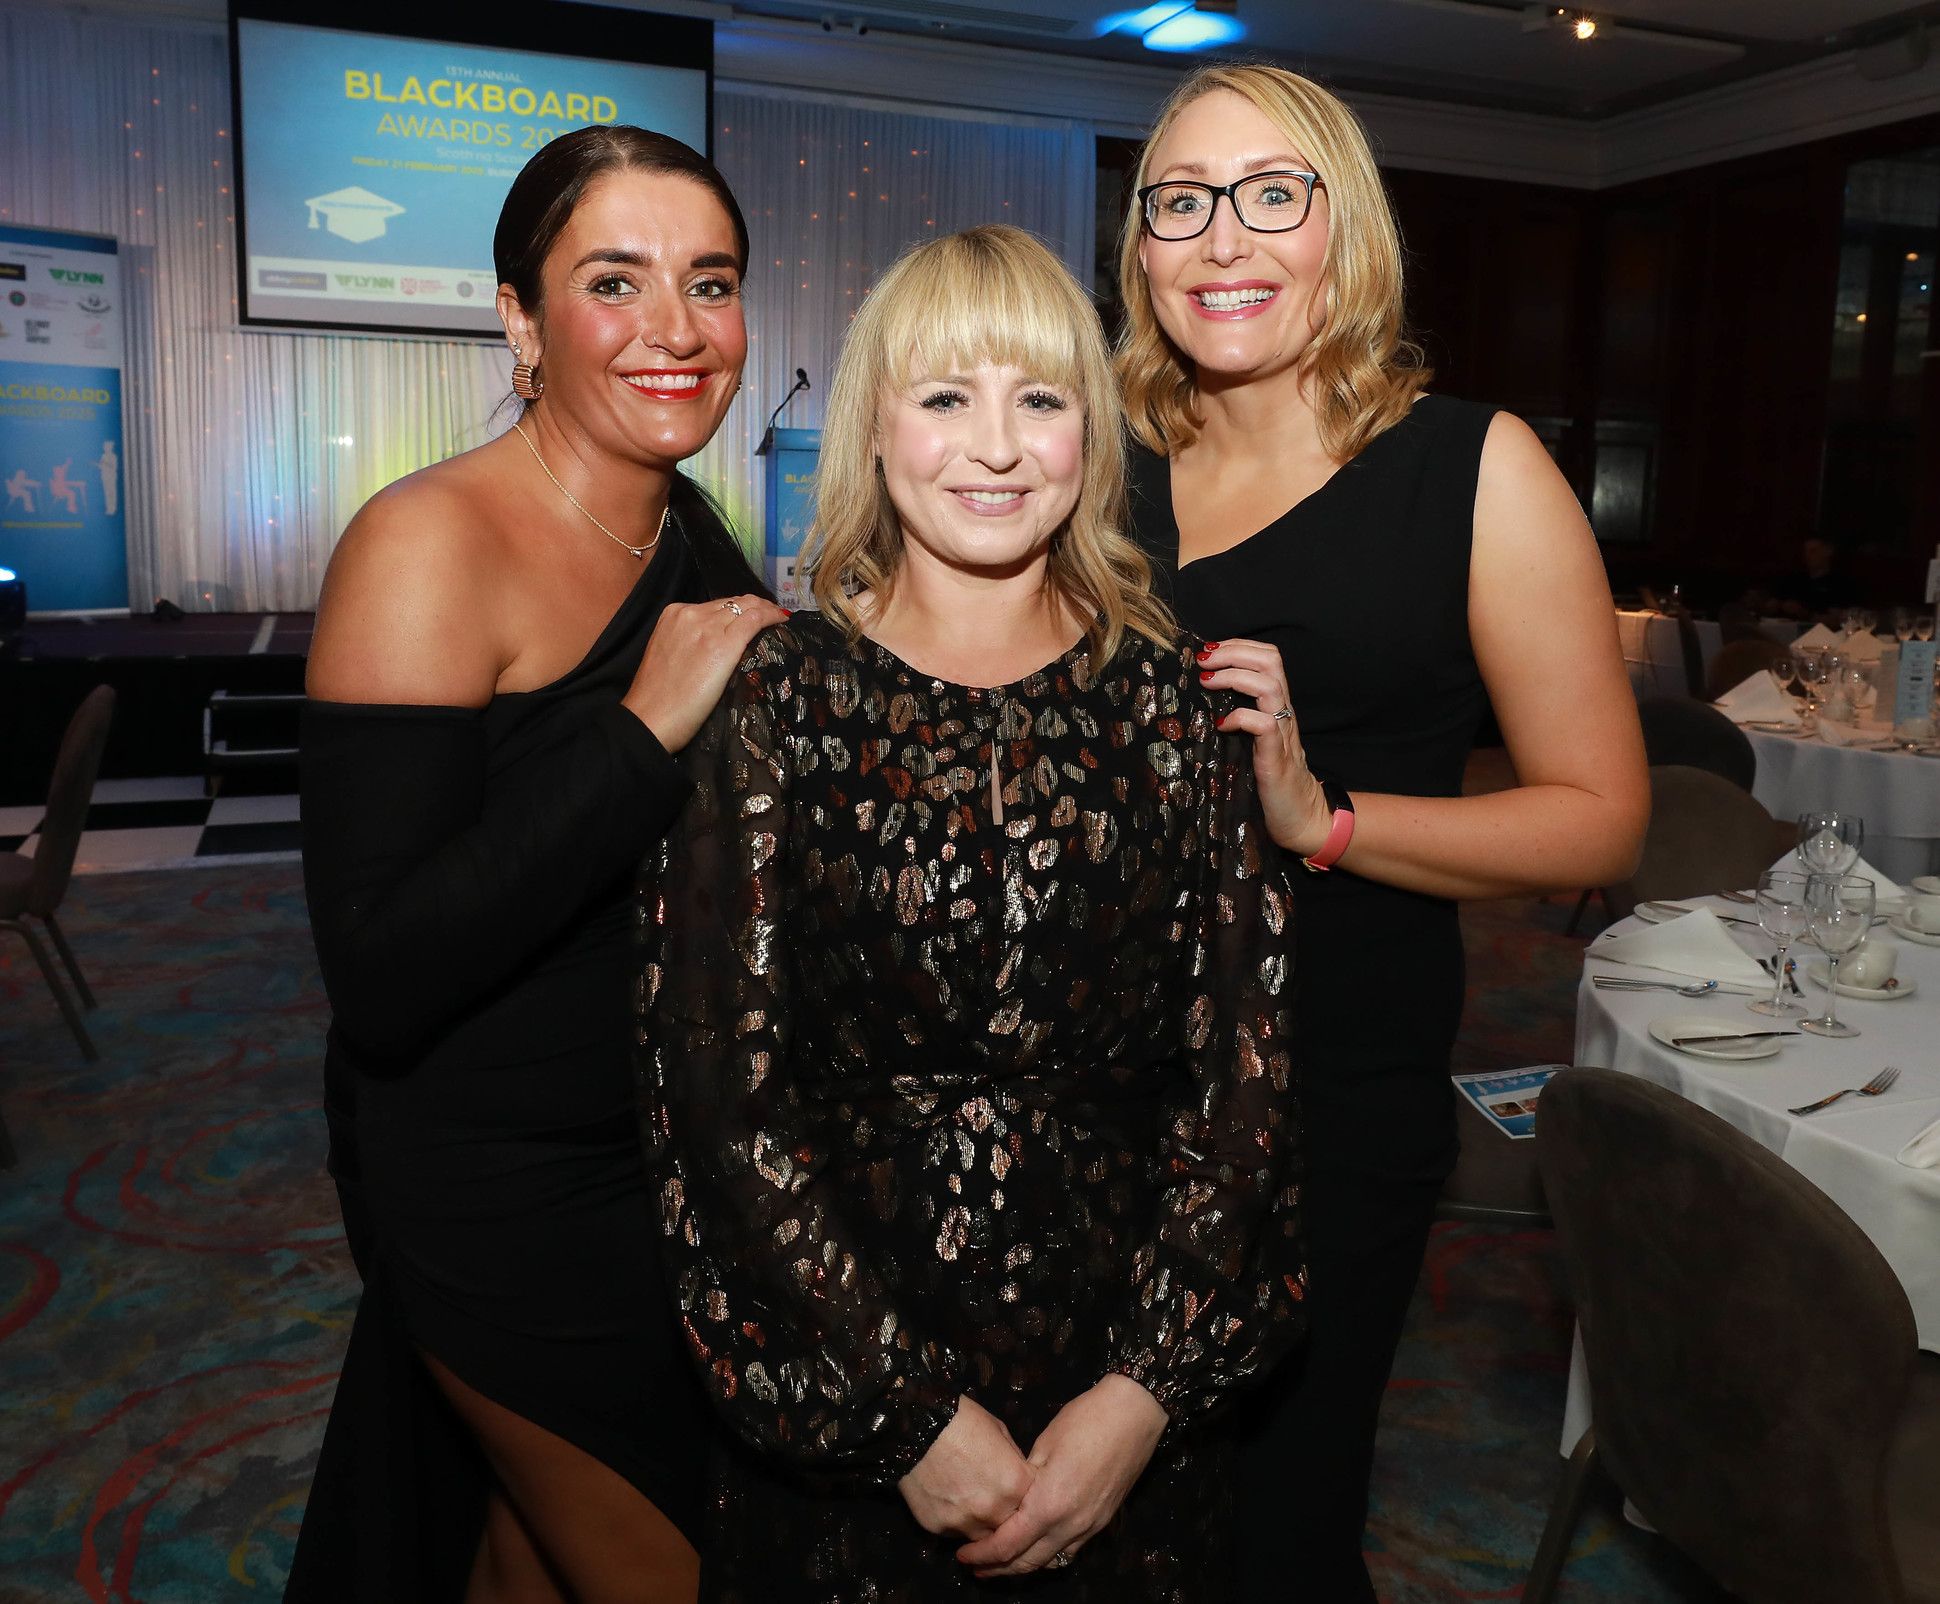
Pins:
x: 1283, y: 715
x: 1061, y: 1558
x: 733, y: 607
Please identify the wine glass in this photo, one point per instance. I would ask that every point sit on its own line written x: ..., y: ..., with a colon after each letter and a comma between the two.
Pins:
x: 1829, y: 842
x: 1868, y: 620
x: 1838, y: 913
x: 1782, y: 916
x: 1923, y: 626
x: 1902, y: 624
x: 1849, y: 622
x: 1784, y: 672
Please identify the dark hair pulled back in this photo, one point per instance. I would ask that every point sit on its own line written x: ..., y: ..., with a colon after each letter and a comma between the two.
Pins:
x: 542, y: 198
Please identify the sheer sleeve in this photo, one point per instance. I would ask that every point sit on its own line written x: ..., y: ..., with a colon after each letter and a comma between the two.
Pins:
x: 428, y: 885
x: 1217, y: 1289
x: 798, y: 1342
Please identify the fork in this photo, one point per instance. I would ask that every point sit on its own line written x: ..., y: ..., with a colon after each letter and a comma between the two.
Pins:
x: 1872, y: 1088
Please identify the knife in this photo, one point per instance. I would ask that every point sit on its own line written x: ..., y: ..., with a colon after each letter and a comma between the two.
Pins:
x: 1742, y: 1035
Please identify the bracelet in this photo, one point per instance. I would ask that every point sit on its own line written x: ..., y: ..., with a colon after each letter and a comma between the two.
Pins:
x: 1330, y: 850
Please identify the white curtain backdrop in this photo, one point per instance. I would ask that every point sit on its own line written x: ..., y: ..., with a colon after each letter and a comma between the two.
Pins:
x: 248, y: 451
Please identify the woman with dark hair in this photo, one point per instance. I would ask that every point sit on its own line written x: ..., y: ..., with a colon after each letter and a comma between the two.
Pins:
x: 510, y: 647
x: 1377, y: 568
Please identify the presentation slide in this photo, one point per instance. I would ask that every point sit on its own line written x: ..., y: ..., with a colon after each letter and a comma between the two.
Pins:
x: 373, y: 167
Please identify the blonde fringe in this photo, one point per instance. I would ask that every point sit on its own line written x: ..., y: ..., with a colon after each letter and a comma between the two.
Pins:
x: 991, y: 294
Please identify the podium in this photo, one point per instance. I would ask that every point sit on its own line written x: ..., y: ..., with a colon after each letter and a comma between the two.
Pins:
x: 789, y: 502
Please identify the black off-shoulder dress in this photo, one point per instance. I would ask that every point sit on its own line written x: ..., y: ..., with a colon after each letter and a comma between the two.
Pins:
x: 948, y: 1095
x: 470, y: 878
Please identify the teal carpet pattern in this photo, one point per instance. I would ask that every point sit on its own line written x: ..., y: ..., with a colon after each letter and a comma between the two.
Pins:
x: 175, y: 1296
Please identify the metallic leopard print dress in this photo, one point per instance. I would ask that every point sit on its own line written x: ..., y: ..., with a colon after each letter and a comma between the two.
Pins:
x: 964, y: 1068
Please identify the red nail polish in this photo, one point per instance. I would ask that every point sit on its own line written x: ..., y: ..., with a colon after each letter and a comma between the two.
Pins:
x: 1204, y: 675
x: 785, y: 613
x: 1212, y: 645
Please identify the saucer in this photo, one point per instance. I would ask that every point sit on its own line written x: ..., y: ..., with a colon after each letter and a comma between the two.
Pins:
x: 1657, y: 913
x: 1926, y: 885
x: 1775, y: 726
x: 1664, y: 1030
x: 1900, y: 928
x: 1818, y: 973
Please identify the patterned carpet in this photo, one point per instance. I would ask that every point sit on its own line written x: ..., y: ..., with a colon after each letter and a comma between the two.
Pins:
x: 174, y: 1298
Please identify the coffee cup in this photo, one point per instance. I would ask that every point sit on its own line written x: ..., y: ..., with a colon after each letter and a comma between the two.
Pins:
x: 1868, y: 965
x: 1923, y: 914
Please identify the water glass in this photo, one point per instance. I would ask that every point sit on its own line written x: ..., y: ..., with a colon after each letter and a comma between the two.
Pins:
x: 1782, y: 916
x: 1838, y: 915
x: 1784, y: 672
x: 1829, y: 842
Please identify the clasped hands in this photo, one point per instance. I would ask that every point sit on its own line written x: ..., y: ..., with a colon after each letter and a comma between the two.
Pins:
x: 1021, y: 1512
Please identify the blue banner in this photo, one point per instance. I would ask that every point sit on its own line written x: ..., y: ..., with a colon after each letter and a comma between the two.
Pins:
x: 63, y: 524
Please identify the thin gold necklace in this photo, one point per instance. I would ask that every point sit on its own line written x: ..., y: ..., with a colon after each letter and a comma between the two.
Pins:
x: 637, y: 551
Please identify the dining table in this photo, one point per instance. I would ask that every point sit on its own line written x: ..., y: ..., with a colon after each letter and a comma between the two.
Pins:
x: 1849, y: 1150
x: 1654, y: 655
x: 1894, y: 790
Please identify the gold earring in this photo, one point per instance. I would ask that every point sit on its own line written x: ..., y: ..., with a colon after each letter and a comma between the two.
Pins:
x: 527, y: 385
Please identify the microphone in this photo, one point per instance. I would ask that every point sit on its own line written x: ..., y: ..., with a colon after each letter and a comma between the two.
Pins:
x: 768, y: 434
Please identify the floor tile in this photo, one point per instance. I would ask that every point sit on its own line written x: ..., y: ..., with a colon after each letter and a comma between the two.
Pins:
x: 269, y: 835
x: 251, y: 810
x: 105, y: 850
x: 167, y: 788
x: 147, y: 815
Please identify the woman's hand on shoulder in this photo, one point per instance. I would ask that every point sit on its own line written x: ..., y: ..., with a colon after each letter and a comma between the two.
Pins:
x: 694, y: 648
x: 1297, y: 815
x: 405, y: 615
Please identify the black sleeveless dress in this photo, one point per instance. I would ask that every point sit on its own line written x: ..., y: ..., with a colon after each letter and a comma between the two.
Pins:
x: 1363, y: 587
x: 469, y: 874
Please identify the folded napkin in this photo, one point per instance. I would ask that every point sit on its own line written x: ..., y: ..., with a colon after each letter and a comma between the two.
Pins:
x: 1817, y: 635
x: 1697, y: 945
x: 1834, y: 733
x: 1923, y: 1152
x: 1885, y: 891
x: 1758, y: 700
x: 1862, y: 648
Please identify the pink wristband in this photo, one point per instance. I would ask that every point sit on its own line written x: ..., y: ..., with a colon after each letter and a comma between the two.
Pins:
x: 1335, y: 844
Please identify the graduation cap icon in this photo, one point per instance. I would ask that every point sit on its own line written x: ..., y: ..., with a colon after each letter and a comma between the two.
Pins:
x: 354, y: 214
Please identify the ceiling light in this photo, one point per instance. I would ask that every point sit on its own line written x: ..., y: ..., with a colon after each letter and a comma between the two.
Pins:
x: 1584, y: 27
x: 1179, y: 25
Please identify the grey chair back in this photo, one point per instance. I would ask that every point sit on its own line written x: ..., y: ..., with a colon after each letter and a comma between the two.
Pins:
x: 1738, y: 660
x: 1749, y: 1351
x: 75, y: 768
x: 1698, y: 736
x: 1705, y: 835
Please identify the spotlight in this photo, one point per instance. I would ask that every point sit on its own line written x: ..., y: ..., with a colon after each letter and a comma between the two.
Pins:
x: 13, y: 600
x: 1584, y: 27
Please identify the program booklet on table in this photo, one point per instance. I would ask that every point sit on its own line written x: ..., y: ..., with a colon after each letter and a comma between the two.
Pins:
x: 1508, y: 1100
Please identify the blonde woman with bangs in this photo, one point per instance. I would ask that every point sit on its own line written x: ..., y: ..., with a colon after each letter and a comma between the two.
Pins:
x: 965, y: 1072
x: 1376, y: 567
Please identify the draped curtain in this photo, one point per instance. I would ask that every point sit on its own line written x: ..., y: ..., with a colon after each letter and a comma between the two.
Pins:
x: 248, y: 450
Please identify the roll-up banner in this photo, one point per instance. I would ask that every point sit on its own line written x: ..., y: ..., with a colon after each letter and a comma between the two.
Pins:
x: 62, y: 518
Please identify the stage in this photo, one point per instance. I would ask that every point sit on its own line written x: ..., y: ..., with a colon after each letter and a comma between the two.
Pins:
x: 177, y: 683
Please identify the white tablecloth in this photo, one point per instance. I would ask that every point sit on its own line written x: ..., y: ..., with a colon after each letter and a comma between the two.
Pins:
x: 1896, y: 793
x: 1653, y: 655
x: 1847, y: 1150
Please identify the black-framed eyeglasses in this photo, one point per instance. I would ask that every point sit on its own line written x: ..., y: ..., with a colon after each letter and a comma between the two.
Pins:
x: 1267, y: 203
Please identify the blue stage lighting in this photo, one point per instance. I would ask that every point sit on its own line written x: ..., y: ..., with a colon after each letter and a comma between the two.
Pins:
x: 1191, y: 29
x: 13, y: 600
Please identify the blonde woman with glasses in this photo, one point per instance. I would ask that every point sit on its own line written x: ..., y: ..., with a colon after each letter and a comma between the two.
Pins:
x: 1376, y: 567
x: 964, y: 1072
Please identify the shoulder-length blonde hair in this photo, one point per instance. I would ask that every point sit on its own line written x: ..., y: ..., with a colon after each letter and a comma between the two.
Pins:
x: 991, y: 294
x: 1365, y: 374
